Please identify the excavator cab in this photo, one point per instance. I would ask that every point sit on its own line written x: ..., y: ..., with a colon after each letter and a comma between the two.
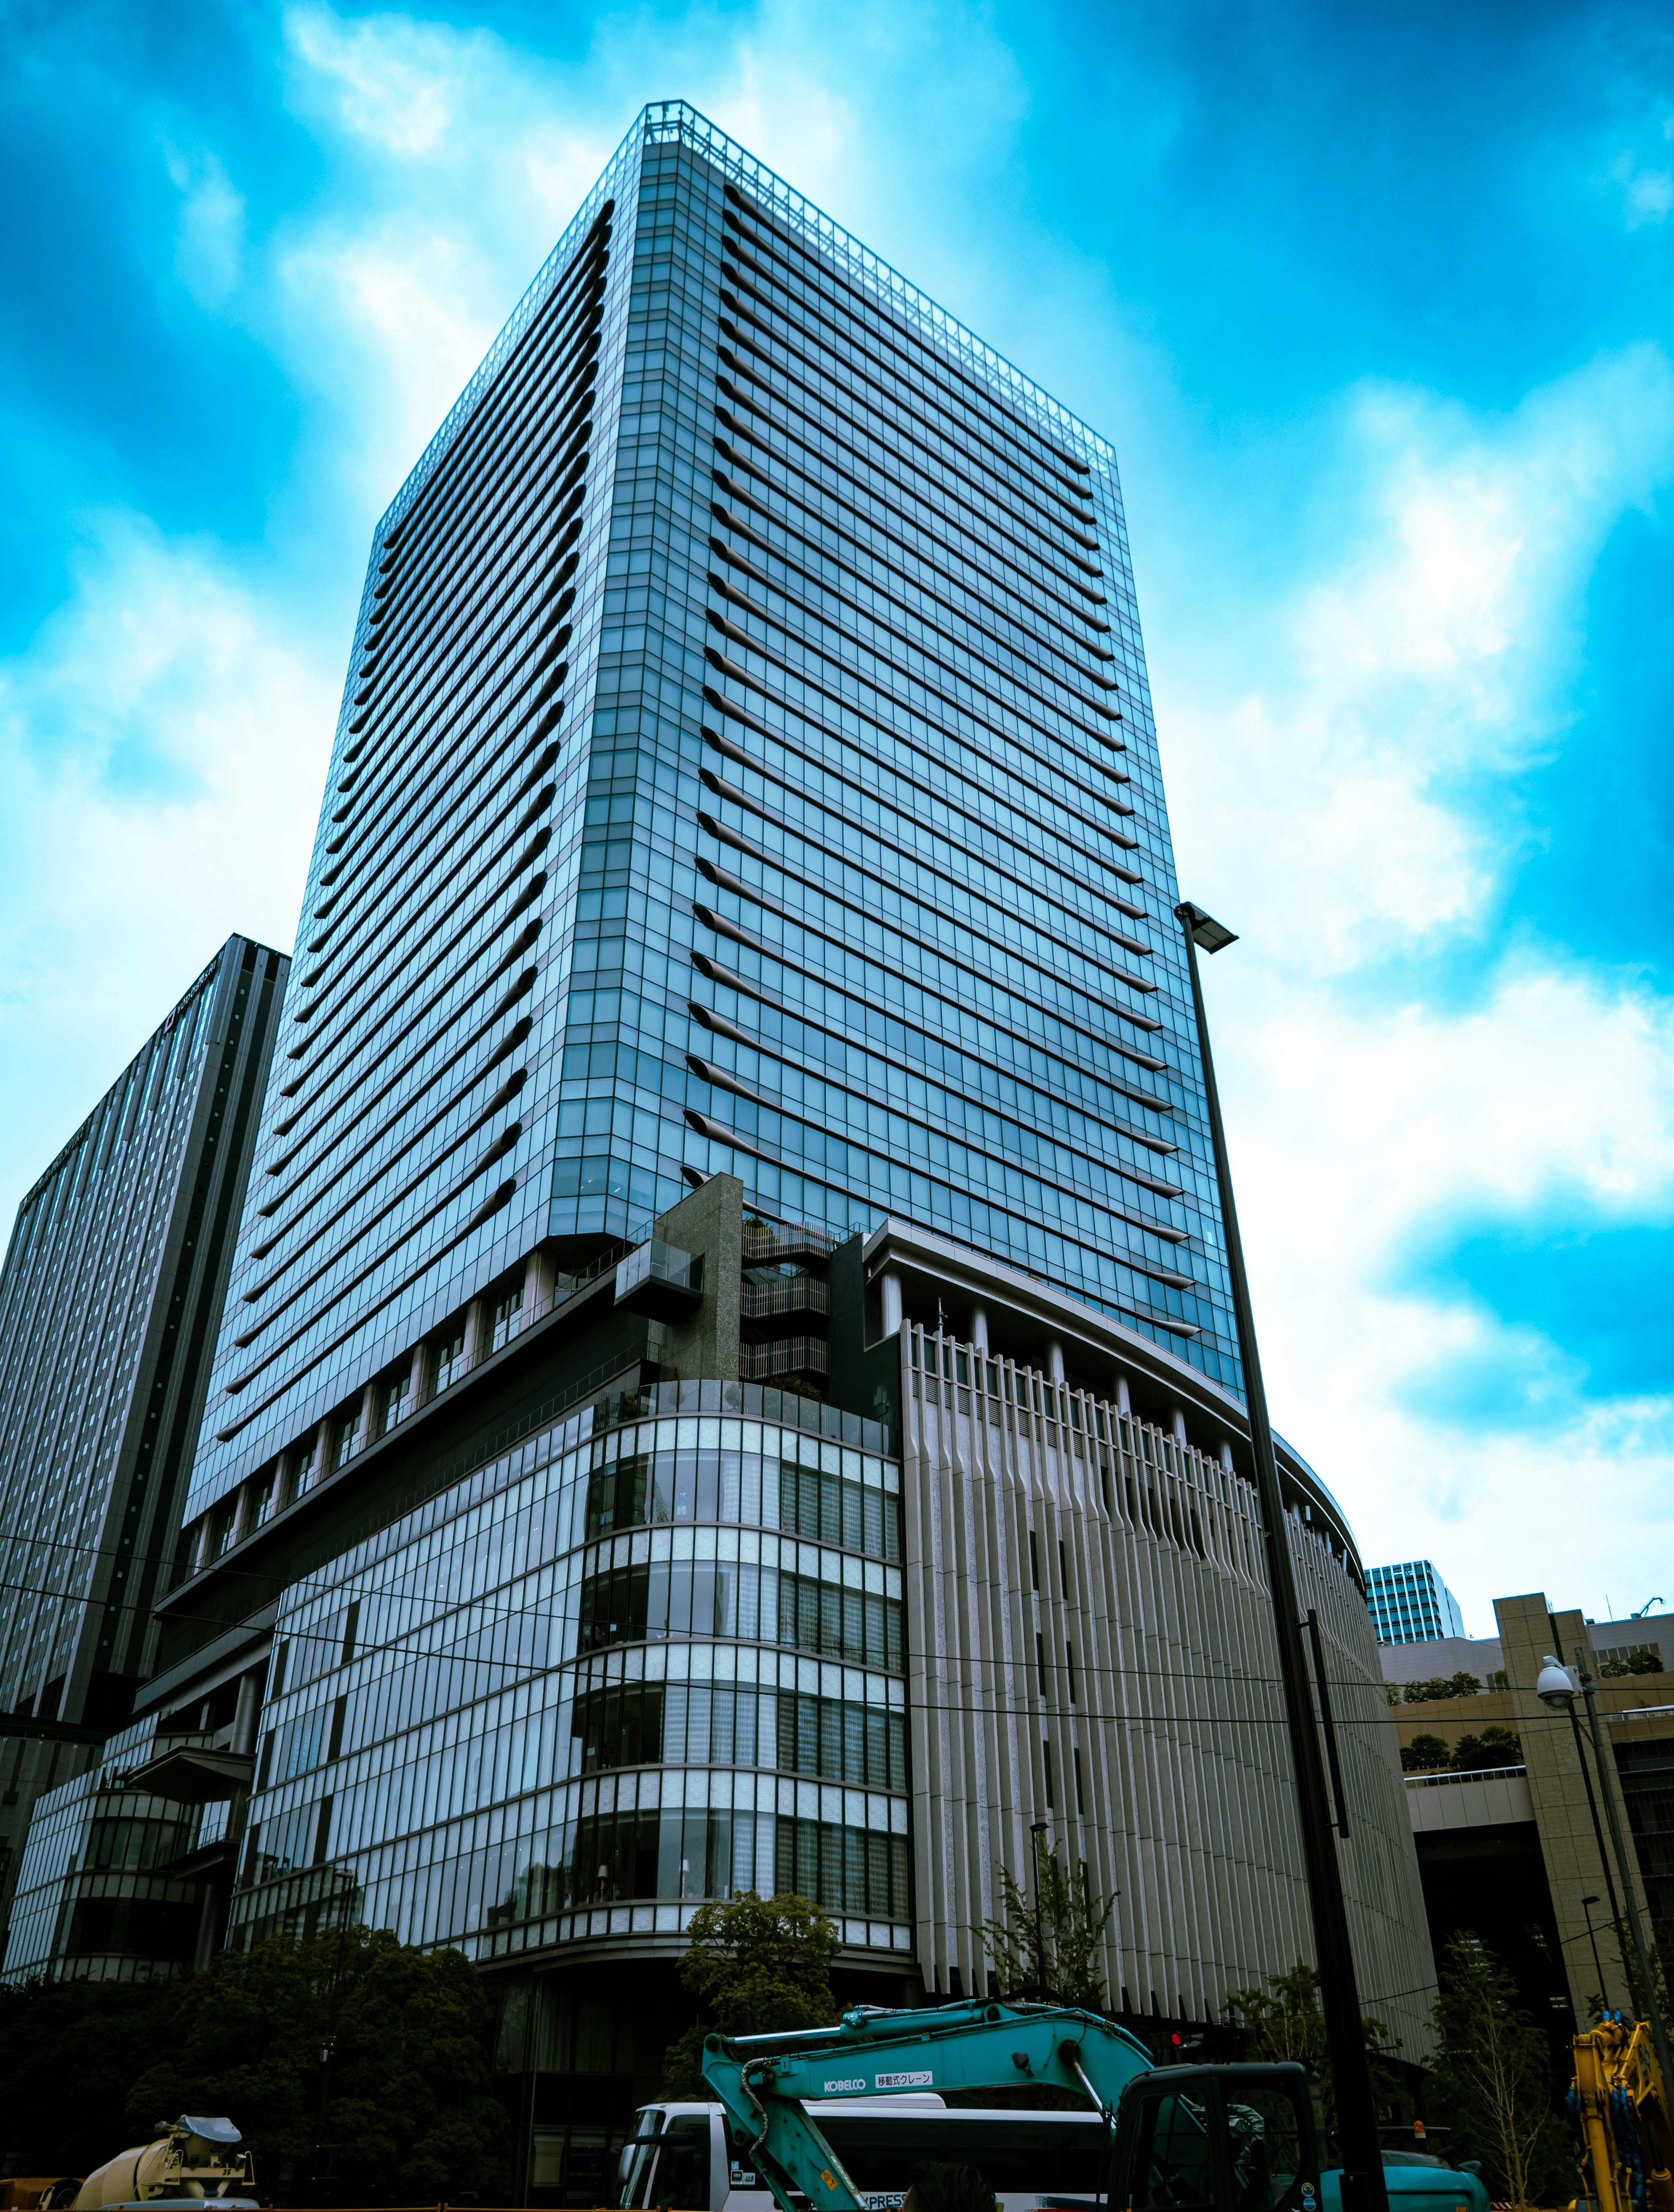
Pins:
x: 1215, y: 2139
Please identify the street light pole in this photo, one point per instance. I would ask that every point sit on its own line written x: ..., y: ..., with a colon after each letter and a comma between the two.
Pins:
x: 1037, y: 1830
x: 1587, y: 1903
x: 1362, y: 2185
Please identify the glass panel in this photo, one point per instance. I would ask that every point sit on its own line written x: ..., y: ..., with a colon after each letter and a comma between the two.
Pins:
x: 1264, y: 2143
x: 1173, y: 2167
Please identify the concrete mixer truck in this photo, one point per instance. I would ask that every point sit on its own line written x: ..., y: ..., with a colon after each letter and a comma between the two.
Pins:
x: 187, y: 2161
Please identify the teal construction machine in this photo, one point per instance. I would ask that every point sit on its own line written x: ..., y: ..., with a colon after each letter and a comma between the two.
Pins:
x: 1209, y: 2138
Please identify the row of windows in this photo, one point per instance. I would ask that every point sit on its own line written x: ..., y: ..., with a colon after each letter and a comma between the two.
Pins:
x: 939, y: 665
x: 860, y: 398
x: 990, y: 1151
x: 505, y: 824
x: 1035, y: 651
x: 941, y: 980
x: 861, y: 338
x: 704, y: 1598
x: 974, y: 538
x: 976, y: 410
x: 955, y: 698
x: 984, y: 758
x: 819, y: 1504
x: 936, y: 910
x: 1027, y: 1122
x: 700, y: 1723
x: 852, y: 834
x: 610, y: 1858
x: 947, y: 835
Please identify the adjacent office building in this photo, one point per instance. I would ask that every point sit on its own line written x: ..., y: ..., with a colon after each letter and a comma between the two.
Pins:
x: 110, y: 1301
x: 737, y: 1126
x: 1517, y: 1851
x: 1411, y: 1604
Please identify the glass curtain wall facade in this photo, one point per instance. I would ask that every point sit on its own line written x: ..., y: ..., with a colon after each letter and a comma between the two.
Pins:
x: 654, y: 1655
x: 110, y: 1300
x: 747, y: 764
x: 1411, y: 1604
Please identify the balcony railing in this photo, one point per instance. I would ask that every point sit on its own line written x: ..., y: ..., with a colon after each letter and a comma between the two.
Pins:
x: 779, y: 1240
x: 790, y: 1294
x: 1470, y: 1774
x: 786, y: 1355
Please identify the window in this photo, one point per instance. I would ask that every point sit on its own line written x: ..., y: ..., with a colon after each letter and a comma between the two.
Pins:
x: 307, y: 1465
x: 346, y: 1439
x: 450, y: 1358
x: 264, y: 1494
x: 507, y: 1319
x: 394, y: 1401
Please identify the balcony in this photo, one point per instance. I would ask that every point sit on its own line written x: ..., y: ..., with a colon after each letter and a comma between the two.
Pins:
x: 785, y: 1355
x: 787, y: 1294
x: 772, y: 1241
x: 660, y: 1280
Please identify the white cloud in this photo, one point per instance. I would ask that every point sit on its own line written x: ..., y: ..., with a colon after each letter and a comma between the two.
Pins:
x: 1648, y: 194
x: 1348, y: 805
x: 162, y: 743
x: 209, y: 251
x: 1433, y: 652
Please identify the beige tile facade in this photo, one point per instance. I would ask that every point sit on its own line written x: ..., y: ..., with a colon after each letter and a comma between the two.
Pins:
x: 1151, y: 1580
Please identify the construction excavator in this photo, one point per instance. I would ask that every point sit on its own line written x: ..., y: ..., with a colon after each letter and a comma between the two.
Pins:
x: 1224, y: 2138
x: 1620, y: 2105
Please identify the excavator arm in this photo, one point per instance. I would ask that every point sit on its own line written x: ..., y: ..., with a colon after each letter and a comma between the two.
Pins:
x: 1186, y: 2134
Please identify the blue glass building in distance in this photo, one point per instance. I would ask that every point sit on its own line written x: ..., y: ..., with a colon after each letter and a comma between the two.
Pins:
x: 746, y: 762
x: 1411, y: 1604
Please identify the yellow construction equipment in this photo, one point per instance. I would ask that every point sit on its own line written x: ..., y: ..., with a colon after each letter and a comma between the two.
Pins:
x: 1620, y: 2105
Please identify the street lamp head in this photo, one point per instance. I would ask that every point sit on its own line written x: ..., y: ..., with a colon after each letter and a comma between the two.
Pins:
x: 1589, y: 1900
x: 1209, y: 935
x: 1554, y: 1687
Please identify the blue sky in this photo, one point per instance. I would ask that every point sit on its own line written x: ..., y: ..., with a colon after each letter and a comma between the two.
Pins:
x: 1374, y: 301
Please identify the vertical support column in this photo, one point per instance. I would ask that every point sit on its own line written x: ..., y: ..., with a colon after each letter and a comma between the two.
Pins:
x: 244, y: 1715
x: 979, y: 1327
x: 540, y: 1277
x: 889, y: 1294
x: 415, y: 1378
x: 477, y: 1322
x: 1055, y: 1360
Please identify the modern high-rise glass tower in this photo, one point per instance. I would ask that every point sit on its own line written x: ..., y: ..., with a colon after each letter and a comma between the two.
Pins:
x: 110, y: 1300
x: 746, y: 762
x: 738, y: 953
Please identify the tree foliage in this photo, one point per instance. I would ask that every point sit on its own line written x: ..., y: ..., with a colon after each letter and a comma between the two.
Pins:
x: 1438, y: 1687
x: 1283, y: 2019
x: 1491, y: 2079
x: 1496, y: 1745
x: 755, y: 1966
x: 1643, y: 1661
x: 1425, y: 1754
x: 410, y: 2104
x: 1067, y: 1961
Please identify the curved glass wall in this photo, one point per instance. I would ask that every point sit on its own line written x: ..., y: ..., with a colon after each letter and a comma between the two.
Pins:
x: 651, y: 1657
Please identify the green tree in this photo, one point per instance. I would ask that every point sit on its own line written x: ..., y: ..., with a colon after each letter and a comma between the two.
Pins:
x: 409, y: 2103
x: 755, y: 1966
x: 1072, y: 1925
x: 1283, y: 2019
x: 1644, y: 1660
x: 1491, y: 2080
x: 1425, y: 1754
x: 1494, y: 1747
x: 70, y: 2051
